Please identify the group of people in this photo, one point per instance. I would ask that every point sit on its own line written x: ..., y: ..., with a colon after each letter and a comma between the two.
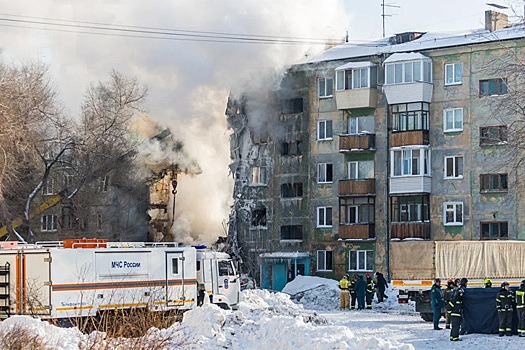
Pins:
x: 452, y: 299
x: 361, y: 289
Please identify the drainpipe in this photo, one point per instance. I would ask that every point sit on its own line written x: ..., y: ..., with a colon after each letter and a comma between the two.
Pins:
x: 387, y: 208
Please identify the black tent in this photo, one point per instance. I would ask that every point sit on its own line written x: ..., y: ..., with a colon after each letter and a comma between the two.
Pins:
x: 479, y: 311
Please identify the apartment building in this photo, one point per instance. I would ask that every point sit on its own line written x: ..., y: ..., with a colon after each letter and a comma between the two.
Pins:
x: 407, y: 138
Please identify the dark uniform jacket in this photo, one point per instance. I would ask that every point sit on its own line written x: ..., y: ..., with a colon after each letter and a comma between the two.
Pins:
x: 360, y: 287
x: 436, y: 297
x: 456, y: 303
x: 369, y: 286
x: 504, y: 300
x: 447, y: 296
x: 351, y: 286
x: 520, y: 298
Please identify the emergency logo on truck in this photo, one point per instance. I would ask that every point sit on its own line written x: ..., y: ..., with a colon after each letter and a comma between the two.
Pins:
x: 123, y: 264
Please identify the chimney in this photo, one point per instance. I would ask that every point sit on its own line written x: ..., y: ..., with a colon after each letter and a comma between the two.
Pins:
x: 495, y: 20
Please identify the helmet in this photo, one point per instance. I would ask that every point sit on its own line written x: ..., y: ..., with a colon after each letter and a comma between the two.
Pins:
x: 367, y: 275
x: 346, y: 276
x: 505, y: 284
x: 456, y: 281
x: 464, y: 281
x: 437, y: 280
x: 523, y: 282
x: 450, y: 283
x: 487, y: 281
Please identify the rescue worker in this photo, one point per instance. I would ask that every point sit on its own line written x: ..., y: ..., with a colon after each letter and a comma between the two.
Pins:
x: 353, y: 296
x: 520, y: 306
x: 437, y: 302
x: 488, y: 283
x: 360, y: 292
x: 344, y: 296
x: 463, y: 282
x: 504, y: 305
x: 369, y: 291
x: 381, y: 285
x: 457, y: 282
x: 447, y: 296
x: 456, y: 305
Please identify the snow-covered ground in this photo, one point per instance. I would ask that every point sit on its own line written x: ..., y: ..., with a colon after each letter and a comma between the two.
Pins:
x: 265, y: 320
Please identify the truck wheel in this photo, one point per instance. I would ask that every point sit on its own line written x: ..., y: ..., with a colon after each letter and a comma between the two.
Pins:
x: 427, y: 317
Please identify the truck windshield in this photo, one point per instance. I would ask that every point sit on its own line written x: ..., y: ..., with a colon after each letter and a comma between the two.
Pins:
x: 226, y: 268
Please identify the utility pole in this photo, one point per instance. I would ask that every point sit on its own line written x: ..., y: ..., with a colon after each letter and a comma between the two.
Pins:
x: 383, y: 5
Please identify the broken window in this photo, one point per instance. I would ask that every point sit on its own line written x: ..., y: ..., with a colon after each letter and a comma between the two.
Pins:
x: 493, y: 135
x: 48, y: 223
x: 259, y: 217
x: 99, y: 221
x: 48, y: 186
x: 294, y: 105
x: 325, y: 173
x: 103, y: 186
x: 292, y: 232
x: 259, y: 175
x: 292, y: 148
x: 292, y: 190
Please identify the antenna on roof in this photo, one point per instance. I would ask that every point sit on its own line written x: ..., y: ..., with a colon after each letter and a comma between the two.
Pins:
x: 383, y: 5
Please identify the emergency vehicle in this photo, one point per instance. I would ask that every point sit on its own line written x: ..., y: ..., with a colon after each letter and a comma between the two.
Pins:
x: 77, y: 278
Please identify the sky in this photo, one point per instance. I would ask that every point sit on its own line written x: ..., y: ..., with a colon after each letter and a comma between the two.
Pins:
x: 189, y: 81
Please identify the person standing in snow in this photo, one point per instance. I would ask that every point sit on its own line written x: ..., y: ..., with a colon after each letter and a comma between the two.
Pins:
x: 353, y: 296
x: 381, y: 286
x: 504, y: 305
x: 447, y: 296
x: 437, y: 302
x: 369, y: 291
x: 520, y: 306
x: 344, y: 297
x: 456, y: 305
x: 360, y: 292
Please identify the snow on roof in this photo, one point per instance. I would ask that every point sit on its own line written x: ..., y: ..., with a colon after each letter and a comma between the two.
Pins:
x: 406, y: 56
x: 280, y: 255
x: 351, y: 65
x: 426, y: 42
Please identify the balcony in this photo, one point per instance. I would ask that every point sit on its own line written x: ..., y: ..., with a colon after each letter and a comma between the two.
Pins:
x: 357, y: 143
x: 410, y: 184
x: 407, y: 138
x: 357, y: 187
x: 357, y: 231
x: 356, y: 98
x: 403, y: 230
x: 408, y: 92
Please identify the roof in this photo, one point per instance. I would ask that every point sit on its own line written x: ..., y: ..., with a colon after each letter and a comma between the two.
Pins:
x: 426, y: 42
x: 351, y: 65
x: 404, y: 56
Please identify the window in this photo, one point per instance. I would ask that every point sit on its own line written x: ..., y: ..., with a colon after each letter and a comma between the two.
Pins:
x: 359, y: 125
x: 454, y: 167
x: 326, y: 87
x: 408, y: 72
x: 492, y: 87
x: 361, y: 260
x: 324, y: 216
x: 453, y: 73
x: 325, y: 173
x: 174, y: 266
x: 493, y: 135
x: 292, y: 232
x: 69, y: 181
x: 48, y: 223
x: 453, y: 119
x: 259, y: 175
x: 453, y: 214
x: 359, y: 210
x: 410, y: 208
x: 99, y: 221
x: 494, y: 230
x: 48, y: 186
x: 324, y: 130
x: 324, y: 260
x: 292, y: 106
x: 226, y: 268
x: 493, y: 183
x: 360, y: 78
x: 292, y: 148
x: 410, y: 116
x: 103, y: 187
x: 406, y: 162
x: 290, y: 190
x: 259, y: 217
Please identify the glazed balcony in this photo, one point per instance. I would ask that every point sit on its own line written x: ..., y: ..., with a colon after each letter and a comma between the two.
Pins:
x: 407, y: 138
x: 408, y: 92
x: 357, y: 143
x: 404, y: 230
x: 410, y: 184
x: 357, y: 231
x: 356, y: 98
x: 357, y: 187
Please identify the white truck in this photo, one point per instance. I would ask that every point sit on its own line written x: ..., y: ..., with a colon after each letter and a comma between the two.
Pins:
x: 415, y: 264
x: 77, y: 278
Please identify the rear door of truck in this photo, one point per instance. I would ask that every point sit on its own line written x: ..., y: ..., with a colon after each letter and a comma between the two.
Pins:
x: 34, y: 270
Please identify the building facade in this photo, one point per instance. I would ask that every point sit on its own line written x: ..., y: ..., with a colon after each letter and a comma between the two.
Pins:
x: 407, y: 138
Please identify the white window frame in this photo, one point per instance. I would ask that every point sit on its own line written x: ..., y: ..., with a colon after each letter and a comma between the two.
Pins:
x: 454, y: 170
x: 259, y: 176
x: 406, y: 159
x: 322, y: 125
x: 416, y: 75
x: 356, y: 171
x: 359, y: 72
x: 49, y: 223
x: 358, y: 267
x: 453, y: 208
x: 455, y: 113
x: 325, y: 93
x: 455, y: 79
x: 323, y: 254
x: 322, y: 172
x: 340, y: 80
x: 48, y: 187
x: 324, y: 215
